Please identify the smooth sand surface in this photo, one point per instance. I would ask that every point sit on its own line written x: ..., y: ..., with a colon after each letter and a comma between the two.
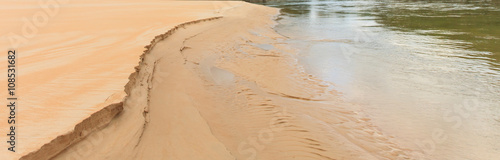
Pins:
x: 226, y: 87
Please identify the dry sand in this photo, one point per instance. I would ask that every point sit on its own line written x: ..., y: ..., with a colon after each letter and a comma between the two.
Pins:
x: 217, y: 82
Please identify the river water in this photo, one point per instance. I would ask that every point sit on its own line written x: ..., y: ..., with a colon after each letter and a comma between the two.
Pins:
x: 425, y: 72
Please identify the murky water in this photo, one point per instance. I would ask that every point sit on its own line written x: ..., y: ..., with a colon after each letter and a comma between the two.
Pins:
x: 425, y: 72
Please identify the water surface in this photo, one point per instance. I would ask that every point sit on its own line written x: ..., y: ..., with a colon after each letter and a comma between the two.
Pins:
x: 425, y: 72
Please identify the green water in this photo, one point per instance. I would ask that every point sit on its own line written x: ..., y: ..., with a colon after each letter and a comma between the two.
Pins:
x: 474, y: 22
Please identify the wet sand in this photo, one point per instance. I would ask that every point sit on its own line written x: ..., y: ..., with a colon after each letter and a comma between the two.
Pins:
x: 218, y: 83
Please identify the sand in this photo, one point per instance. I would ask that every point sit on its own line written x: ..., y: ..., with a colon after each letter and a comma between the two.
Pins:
x: 216, y: 82
x: 80, y: 60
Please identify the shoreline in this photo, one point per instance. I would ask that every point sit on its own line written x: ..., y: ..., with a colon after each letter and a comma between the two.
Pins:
x: 211, y: 82
x: 221, y: 95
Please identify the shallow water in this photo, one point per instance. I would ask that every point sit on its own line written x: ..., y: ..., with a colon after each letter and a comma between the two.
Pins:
x: 425, y: 72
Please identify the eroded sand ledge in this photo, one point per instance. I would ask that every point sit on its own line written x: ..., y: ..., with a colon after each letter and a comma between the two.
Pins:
x: 97, y: 120
x: 229, y: 88
x: 102, y: 117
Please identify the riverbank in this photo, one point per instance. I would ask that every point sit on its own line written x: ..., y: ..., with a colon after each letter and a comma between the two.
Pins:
x: 229, y: 88
x: 223, y: 85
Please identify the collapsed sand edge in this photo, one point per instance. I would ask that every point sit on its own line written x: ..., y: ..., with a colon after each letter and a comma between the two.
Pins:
x: 102, y: 117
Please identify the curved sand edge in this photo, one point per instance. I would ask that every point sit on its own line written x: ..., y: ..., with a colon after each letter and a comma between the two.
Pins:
x: 96, y: 121
x: 102, y: 117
